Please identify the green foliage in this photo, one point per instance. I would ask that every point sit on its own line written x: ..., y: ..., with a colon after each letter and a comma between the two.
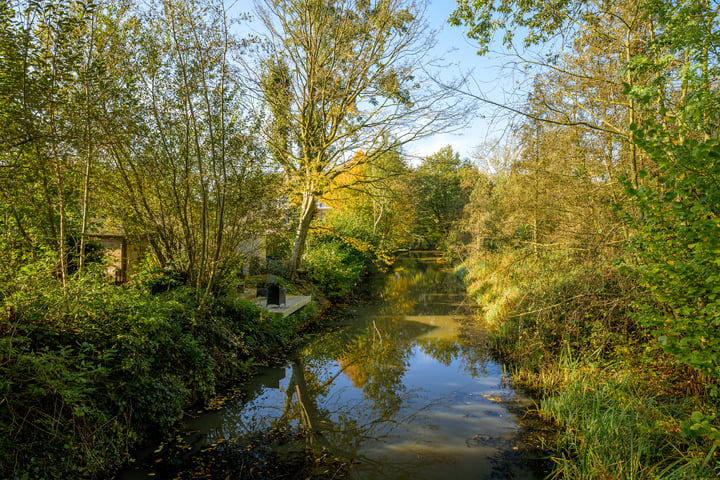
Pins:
x: 262, y: 335
x: 658, y: 313
x: 615, y: 424
x: 350, y: 96
x: 157, y: 278
x: 567, y: 329
x: 540, y: 304
x: 701, y: 425
x: 540, y: 21
x: 677, y: 249
x: 677, y: 245
x: 276, y: 84
x: 370, y: 211
x: 203, y: 172
x: 443, y: 185
x: 88, y: 373
x: 335, y: 267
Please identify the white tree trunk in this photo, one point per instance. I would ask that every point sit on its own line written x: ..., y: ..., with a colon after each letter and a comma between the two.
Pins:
x: 306, y: 216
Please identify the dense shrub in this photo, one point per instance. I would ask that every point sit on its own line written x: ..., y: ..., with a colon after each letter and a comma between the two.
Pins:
x: 87, y: 372
x: 566, y: 326
x: 335, y: 267
x: 550, y: 301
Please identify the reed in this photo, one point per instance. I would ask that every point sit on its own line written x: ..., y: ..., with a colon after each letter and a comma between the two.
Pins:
x: 565, y: 329
x: 614, y: 424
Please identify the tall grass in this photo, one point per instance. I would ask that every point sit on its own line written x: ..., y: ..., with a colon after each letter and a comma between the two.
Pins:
x: 564, y: 326
x: 614, y: 424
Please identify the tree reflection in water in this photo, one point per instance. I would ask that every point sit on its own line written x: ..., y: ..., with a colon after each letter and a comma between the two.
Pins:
x: 396, y: 388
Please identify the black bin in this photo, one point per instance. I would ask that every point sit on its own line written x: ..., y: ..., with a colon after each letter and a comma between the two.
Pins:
x: 276, y: 295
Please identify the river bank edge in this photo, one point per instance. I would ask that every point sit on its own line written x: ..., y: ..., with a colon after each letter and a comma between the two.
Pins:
x: 89, y: 376
x: 565, y: 328
x: 174, y: 449
x: 182, y: 452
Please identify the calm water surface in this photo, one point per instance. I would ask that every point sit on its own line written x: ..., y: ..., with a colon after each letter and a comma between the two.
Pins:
x: 401, y: 386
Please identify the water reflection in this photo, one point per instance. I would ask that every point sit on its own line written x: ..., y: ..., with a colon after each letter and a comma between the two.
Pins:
x: 398, y: 388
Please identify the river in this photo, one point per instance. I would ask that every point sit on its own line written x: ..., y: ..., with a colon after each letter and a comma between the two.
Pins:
x: 399, y: 387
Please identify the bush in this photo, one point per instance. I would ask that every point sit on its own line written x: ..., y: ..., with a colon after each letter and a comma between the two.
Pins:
x: 86, y: 373
x: 57, y: 418
x: 335, y: 267
x: 540, y: 304
x: 157, y: 279
x: 616, y: 424
x: 566, y: 326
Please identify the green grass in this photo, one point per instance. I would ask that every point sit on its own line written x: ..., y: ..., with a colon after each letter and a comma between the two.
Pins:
x: 614, y: 424
x: 565, y: 327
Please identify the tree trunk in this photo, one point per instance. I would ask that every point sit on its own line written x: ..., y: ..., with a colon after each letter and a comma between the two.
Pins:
x: 61, y: 239
x: 309, y: 414
x: 379, y: 217
x: 88, y: 151
x: 306, y: 216
x: 86, y: 193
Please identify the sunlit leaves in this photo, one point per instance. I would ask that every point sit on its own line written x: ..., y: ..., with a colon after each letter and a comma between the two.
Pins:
x: 539, y: 20
x: 678, y: 238
x: 444, y: 182
x: 677, y: 245
x: 354, y: 70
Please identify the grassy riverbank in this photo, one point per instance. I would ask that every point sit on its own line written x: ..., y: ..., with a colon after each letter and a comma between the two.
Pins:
x: 88, y: 373
x: 623, y: 407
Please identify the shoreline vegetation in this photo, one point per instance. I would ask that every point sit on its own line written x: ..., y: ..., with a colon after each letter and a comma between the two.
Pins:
x: 623, y: 408
x: 94, y: 370
x: 89, y: 375
x: 592, y: 238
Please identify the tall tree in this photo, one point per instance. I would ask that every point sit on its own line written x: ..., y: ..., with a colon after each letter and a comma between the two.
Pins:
x: 578, y: 51
x: 444, y: 183
x: 345, y: 76
x: 191, y: 175
x: 576, y: 123
x: 371, y: 203
x: 44, y: 77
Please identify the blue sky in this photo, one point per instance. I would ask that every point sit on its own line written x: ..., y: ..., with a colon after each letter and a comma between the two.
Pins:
x: 461, y: 52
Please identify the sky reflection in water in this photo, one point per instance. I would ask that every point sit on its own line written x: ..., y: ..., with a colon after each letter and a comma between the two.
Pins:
x: 397, y: 387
